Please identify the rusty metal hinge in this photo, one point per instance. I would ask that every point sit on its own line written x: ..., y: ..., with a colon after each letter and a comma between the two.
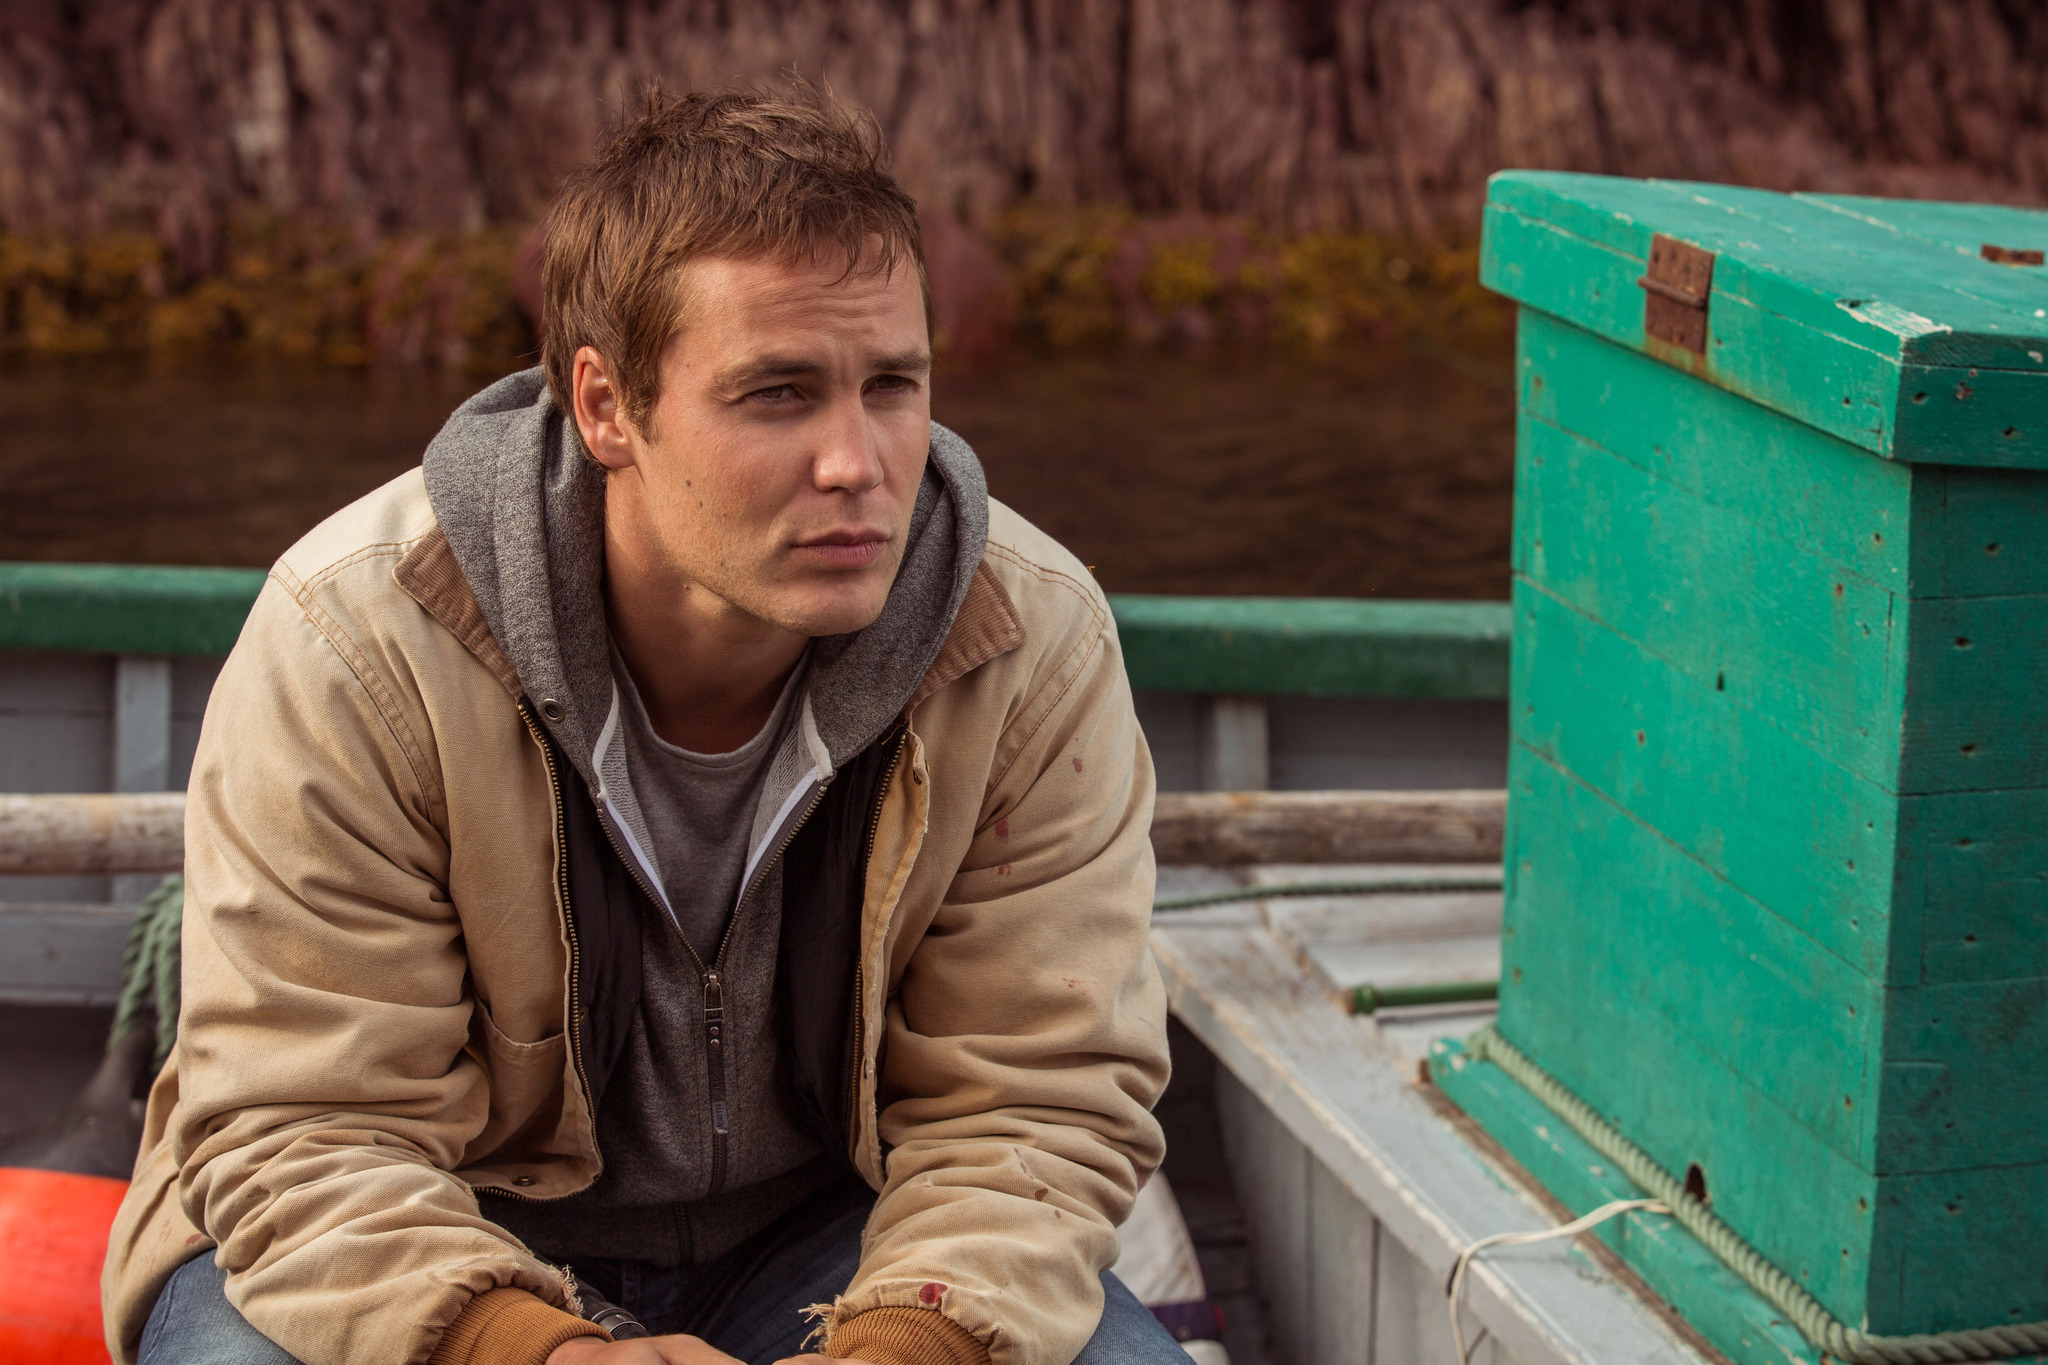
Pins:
x: 1675, y: 293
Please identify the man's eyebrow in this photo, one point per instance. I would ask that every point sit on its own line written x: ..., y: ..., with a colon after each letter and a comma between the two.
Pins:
x: 749, y: 372
x: 916, y: 362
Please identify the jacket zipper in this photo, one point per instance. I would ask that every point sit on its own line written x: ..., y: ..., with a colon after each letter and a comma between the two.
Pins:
x: 857, y: 1044
x: 574, y: 1011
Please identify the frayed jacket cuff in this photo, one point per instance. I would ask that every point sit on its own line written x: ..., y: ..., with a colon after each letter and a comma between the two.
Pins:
x: 508, y: 1327
x: 905, y: 1336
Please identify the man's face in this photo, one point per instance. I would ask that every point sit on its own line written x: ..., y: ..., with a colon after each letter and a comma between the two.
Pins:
x: 779, y: 465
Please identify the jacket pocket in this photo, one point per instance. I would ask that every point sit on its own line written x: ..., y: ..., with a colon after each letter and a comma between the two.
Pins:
x: 523, y: 1084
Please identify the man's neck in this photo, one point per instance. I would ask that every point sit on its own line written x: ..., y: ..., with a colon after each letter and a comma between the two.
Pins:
x: 708, y: 673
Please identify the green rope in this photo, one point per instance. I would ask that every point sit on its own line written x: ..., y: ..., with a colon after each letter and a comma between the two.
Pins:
x: 149, y: 968
x: 1826, y: 1331
x: 1372, y: 999
x: 1406, y: 886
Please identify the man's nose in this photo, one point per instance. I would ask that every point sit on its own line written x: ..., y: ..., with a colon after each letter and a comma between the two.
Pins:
x: 848, y: 459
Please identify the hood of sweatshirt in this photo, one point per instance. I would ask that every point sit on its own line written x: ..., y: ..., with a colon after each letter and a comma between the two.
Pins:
x: 523, y: 511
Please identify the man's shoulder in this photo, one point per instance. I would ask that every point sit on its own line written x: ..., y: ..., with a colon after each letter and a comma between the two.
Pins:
x: 344, y: 577
x: 382, y: 525
x: 1055, y: 594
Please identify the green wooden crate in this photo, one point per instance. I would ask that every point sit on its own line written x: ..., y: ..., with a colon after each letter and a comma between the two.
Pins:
x: 1778, y: 814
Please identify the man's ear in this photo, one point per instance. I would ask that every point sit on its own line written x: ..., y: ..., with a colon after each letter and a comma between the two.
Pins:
x: 600, y: 414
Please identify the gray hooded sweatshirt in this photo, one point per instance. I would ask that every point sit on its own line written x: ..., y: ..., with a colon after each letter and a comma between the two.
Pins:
x: 700, y: 1151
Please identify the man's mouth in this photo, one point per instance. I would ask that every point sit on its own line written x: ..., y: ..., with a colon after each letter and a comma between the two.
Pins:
x: 854, y: 549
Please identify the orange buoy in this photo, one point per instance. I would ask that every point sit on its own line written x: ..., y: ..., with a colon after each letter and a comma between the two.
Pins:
x: 53, y: 1240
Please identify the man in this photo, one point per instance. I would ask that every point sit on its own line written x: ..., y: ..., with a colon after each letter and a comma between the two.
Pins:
x: 684, y: 846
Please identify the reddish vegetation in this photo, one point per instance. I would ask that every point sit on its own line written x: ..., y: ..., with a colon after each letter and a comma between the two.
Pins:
x: 1377, y: 115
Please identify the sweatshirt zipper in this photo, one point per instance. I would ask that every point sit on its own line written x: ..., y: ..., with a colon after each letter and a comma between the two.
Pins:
x: 574, y: 1011
x: 857, y: 1043
x: 714, y: 990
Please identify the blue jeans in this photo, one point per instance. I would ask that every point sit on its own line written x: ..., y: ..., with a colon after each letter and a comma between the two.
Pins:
x: 748, y: 1303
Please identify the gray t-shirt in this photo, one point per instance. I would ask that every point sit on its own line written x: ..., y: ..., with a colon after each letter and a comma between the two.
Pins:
x: 699, y: 808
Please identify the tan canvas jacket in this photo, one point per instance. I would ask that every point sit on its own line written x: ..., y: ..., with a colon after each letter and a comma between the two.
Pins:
x: 377, y: 965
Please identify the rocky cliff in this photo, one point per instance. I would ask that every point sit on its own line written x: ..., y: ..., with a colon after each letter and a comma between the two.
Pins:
x: 386, y: 116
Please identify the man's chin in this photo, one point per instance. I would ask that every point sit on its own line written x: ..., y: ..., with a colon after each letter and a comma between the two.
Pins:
x: 822, y: 614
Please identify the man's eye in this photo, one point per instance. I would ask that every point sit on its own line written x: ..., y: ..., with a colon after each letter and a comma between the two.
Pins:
x: 779, y: 393
x: 890, y: 383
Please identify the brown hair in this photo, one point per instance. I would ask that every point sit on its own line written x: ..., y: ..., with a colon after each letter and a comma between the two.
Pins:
x: 799, y: 178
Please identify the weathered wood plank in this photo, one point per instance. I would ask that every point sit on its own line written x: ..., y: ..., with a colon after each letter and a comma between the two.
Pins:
x: 1270, y: 1169
x: 1814, y: 264
x: 1226, y: 828
x: 1785, y: 477
x: 1342, y: 1267
x: 1976, y: 674
x: 1979, y: 532
x: 1709, y: 1034
x: 145, y: 833
x: 92, y: 834
x: 1811, y: 840
x: 1305, y: 1061
x: 1749, y: 991
x: 1978, y: 880
x: 1944, y: 887
x: 62, y: 954
x: 1806, y: 643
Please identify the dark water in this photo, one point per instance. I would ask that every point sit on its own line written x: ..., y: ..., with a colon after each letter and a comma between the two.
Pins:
x: 1371, y: 473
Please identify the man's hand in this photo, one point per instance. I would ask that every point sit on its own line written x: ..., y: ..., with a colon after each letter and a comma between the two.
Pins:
x: 670, y: 1350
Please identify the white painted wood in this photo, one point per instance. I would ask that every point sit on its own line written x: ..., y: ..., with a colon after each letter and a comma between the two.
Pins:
x: 1172, y: 722
x: 1234, y: 748
x: 1414, y: 1325
x: 1404, y: 1035
x: 62, y: 954
x: 1340, y: 966
x: 142, y: 724
x: 1324, y: 743
x: 1269, y: 1167
x: 142, y: 745
x: 1403, y: 742
x: 1342, y: 1267
x: 192, y: 679
x: 1240, y: 991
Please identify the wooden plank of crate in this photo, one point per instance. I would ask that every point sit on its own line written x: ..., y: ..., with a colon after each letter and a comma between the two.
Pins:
x: 1980, y: 532
x: 1854, y: 284
x: 1976, y: 673
x: 1974, y: 866
x: 1837, y: 659
x: 1237, y: 990
x: 1961, y: 1076
x: 1811, y: 645
x: 1683, y: 755
x: 1936, y: 531
x: 1712, y: 953
x: 1785, y: 477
